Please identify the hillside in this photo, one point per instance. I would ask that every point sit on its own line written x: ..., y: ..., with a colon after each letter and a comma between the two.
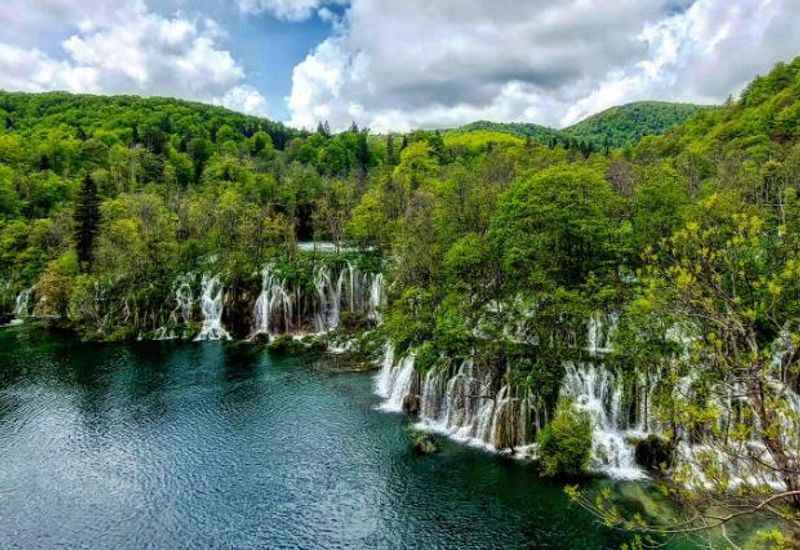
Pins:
x: 760, y: 126
x: 127, y: 117
x: 615, y: 127
x: 627, y: 124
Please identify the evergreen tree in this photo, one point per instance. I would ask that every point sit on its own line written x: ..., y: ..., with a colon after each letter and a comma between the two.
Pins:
x: 87, y: 219
x: 324, y: 129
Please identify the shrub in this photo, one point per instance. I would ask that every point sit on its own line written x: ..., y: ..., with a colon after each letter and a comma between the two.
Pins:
x: 565, y: 444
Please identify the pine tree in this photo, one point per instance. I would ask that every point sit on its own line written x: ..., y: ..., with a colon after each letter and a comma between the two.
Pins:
x: 87, y: 219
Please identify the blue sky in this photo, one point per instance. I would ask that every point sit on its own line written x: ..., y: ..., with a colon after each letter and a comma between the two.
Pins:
x: 266, y: 47
x: 398, y: 64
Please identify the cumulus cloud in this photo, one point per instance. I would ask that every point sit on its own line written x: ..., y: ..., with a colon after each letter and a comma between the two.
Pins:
x: 131, y: 50
x: 398, y: 64
x: 289, y: 10
x: 245, y: 99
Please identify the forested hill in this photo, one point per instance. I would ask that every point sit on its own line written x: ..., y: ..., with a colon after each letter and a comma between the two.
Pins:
x: 761, y: 126
x: 613, y: 128
x: 627, y: 124
x: 130, y: 119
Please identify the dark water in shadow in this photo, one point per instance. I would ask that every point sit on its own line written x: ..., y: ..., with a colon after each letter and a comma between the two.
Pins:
x: 207, y: 446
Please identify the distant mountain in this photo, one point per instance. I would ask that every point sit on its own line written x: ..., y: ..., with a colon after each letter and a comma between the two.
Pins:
x: 614, y: 127
x: 627, y: 124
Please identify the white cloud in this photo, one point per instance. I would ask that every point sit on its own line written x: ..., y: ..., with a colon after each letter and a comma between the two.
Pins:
x: 244, y: 99
x: 288, y: 10
x: 131, y: 50
x: 704, y: 54
x: 397, y: 64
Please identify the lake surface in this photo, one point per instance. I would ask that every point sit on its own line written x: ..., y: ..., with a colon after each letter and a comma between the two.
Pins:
x: 213, y: 446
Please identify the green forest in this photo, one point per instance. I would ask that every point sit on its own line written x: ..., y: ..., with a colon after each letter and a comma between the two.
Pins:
x: 678, y: 226
x: 613, y: 128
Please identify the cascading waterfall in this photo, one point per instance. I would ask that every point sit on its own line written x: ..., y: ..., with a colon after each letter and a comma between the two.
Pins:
x: 740, y: 461
x: 329, y: 294
x: 596, y: 391
x: 376, y: 298
x: 274, y: 307
x: 22, y: 305
x: 477, y: 406
x: 462, y: 406
x: 600, y: 331
x: 394, y: 381
x: 184, y: 298
x: 283, y: 310
x: 211, y: 304
x: 280, y: 308
x: 183, y: 313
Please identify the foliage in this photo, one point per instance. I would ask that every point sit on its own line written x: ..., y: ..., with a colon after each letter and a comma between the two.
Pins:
x: 566, y: 442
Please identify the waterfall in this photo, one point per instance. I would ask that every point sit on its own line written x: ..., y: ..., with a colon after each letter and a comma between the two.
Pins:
x: 22, y: 305
x: 376, y: 298
x: 394, y: 381
x: 596, y: 391
x: 281, y: 309
x: 184, y: 298
x: 274, y: 307
x: 211, y: 304
x: 182, y: 313
x: 329, y: 294
x: 736, y: 459
x: 462, y: 406
x: 600, y: 331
